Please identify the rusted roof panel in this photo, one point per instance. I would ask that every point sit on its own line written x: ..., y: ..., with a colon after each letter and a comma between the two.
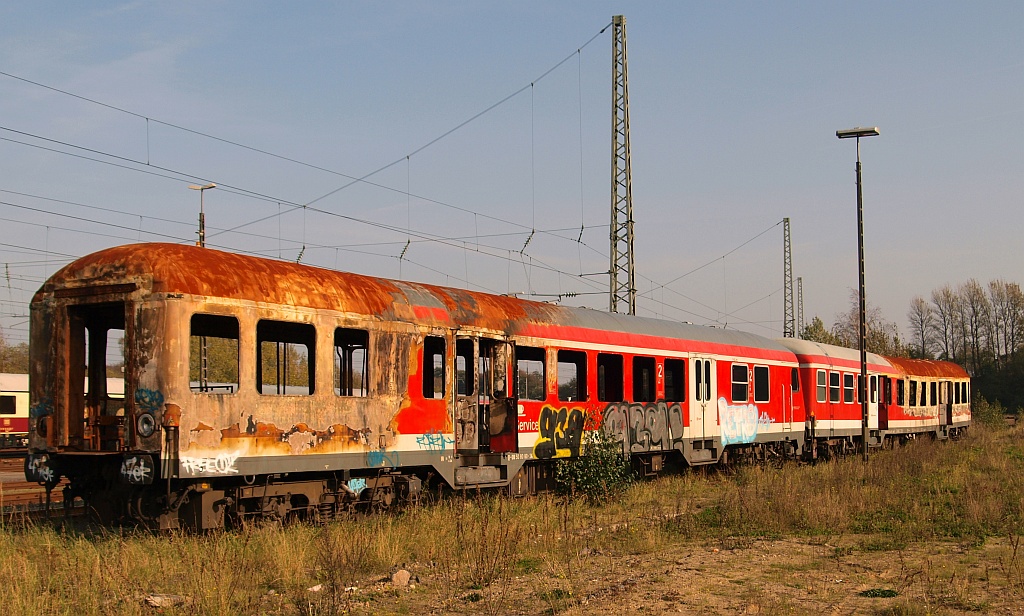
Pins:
x: 177, y: 268
x: 930, y: 368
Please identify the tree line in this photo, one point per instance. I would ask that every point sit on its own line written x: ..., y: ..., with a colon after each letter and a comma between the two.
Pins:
x: 980, y: 327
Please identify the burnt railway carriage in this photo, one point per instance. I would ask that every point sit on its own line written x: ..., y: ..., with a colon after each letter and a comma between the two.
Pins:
x: 255, y: 387
x: 928, y: 396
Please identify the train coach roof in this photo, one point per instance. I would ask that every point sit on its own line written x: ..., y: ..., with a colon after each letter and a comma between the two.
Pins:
x: 203, y: 272
x: 930, y: 368
x: 808, y: 348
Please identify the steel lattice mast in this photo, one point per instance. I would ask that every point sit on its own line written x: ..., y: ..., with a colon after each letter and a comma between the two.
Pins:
x: 799, y: 307
x: 622, y: 287
x: 789, y: 323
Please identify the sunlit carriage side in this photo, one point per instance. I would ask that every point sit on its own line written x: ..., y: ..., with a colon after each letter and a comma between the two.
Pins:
x: 256, y: 387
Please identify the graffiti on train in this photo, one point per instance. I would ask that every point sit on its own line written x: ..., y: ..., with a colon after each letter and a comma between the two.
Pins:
x: 654, y: 426
x: 560, y: 433
x: 740, y: 423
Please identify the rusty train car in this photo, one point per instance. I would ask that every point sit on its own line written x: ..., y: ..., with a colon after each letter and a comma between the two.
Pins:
x: 256, y: 387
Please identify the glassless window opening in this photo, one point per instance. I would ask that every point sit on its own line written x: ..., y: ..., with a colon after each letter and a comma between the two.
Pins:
x: 464, y: 370
x: 530, y: 365
x: 213, y: 354
x: 433, y: 367
x: 610, y: 378
x: 900, y: 392
x: 572, y: 376
x: 286, y: 358
x: 351, y: 362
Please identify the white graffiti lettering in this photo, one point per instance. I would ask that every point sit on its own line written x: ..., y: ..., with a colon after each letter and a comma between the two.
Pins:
x: 135, y: 470
x: 38, y: 467
x: 223, y: 464
x: 740, y: 422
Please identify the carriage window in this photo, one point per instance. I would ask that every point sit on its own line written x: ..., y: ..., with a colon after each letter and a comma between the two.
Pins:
x: 464, y: 370
x: 531, y: 369
x: 821, y: 386
x: 572, y: 376
x: 924, y: 393
x: 433, y: 367
x: 351, y: 362
x: 956, y: 393
x: 794, y: 380
x: 675, y: 380
x: 762, y: 389
x: 609, y: 378
x: 900, y: 392
x: 873, y: 383
x: 740, y: 382
x: 847, y: 388
x: 7, y: 405
x: 286, y: 358
x: 643, y: 379
x: 833, y: 386
x: 967, y: 393
x: 213, y: 354
x: 913, y: 393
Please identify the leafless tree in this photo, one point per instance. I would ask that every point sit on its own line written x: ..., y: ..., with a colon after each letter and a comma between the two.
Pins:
x: 922, y: 326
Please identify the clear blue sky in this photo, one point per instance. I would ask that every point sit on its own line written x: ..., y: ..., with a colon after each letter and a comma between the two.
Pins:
x: 733, y: 111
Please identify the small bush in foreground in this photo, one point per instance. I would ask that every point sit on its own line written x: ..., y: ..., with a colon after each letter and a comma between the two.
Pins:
x: 599, y: 473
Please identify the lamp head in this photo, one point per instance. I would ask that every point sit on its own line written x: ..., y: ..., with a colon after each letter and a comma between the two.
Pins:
x: 857, y: 132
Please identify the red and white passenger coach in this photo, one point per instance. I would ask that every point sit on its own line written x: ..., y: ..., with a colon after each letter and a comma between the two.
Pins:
x: 256, y: 387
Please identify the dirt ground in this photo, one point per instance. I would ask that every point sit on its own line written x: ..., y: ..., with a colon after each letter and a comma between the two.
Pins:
x: 850, y: 575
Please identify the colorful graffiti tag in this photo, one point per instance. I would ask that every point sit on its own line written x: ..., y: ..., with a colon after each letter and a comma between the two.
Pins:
x: 654, y: 426
x: 560, y: 433
x: 740, y: 423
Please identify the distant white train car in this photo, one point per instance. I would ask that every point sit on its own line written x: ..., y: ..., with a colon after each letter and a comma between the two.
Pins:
x: 13, y: 410
x: 14, y: 407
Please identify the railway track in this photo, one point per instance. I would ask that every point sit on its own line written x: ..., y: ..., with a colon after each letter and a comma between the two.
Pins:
x: 20, y: 497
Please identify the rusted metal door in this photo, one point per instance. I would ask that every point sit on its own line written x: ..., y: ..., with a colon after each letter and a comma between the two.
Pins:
x: 485, y: 406
x: 467, y: 421
x: 946, y: 402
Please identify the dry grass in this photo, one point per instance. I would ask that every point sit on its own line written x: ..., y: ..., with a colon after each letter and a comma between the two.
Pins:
x: 938, y: 525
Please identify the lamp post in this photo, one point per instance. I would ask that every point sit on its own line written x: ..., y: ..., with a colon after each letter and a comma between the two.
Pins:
x: 848, y: 134
x: 202, y: 217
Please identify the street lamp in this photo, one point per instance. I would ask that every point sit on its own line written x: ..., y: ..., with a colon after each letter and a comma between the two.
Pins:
x: 857, y: 133
x: 202, y: 217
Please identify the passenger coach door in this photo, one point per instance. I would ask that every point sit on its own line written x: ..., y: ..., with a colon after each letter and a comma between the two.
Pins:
x: 485, y: 409
x: 703, y: 399
x: 884, y: 400
x: 873, y: 401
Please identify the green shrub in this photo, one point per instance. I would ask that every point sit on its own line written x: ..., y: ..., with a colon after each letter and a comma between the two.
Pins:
x: 599, y: 473
x: 988, y: 413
